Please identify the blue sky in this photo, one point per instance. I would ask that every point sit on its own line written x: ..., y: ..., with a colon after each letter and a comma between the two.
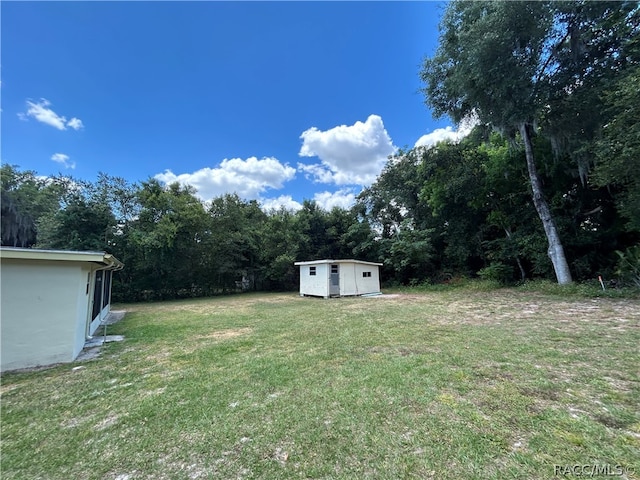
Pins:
x: 276, y: 101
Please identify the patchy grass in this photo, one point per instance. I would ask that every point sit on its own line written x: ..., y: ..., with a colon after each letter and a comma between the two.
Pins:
x: 454, y: 384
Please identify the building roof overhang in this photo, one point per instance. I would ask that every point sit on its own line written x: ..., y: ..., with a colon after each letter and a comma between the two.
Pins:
x: 105, y: 260
x: 318, y: 262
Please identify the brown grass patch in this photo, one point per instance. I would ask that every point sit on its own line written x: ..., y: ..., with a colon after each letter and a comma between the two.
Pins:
x: 224, y: 334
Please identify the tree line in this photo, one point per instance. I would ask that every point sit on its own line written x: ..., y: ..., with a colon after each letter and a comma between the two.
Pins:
x: 172, y: 243
x: 546, y: 185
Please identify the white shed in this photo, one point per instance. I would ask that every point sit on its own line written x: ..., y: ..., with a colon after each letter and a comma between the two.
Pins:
x: 51, y: 301
x: 338, y: 278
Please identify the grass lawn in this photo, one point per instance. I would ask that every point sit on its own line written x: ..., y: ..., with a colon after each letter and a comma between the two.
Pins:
x: 456, y: 384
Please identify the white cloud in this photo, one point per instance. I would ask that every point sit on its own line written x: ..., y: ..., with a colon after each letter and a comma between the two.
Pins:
x: 319, y: 173
x: 437, y: 136
x: 344, y: 198
x: 350, y: 155
x: 42, y: 113
x: 448, y: 133
x: 63, y: 160
x: 75, y: 123
x: 285, y: 201
x: 248, y: 178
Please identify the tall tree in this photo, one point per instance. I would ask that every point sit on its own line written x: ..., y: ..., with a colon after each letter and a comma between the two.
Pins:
x: 27, y: 201
x: 517, y: 64
x: 489, y: 63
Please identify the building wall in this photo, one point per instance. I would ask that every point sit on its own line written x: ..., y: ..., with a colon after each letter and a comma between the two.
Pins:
x: 44, y: 312
x: 316, y: 285
x: 352, y: 281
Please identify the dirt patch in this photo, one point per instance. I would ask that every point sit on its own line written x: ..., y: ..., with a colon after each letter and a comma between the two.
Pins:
x: 214, y: 306
x: 401, y: 350
x: 7, y: 388
x: 401, y: 297
x: 612, y: 422
x: 544, y: 394
x: 88, y: 354
x: 224, y: 334
x: 107, y: 422
x: 511, y: 307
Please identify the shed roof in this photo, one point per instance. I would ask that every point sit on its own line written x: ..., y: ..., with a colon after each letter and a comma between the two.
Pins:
x: 317, y: 262
x: 105, y: 259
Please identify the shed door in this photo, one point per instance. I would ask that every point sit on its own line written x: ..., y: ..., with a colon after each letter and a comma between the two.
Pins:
x: 334, y: 280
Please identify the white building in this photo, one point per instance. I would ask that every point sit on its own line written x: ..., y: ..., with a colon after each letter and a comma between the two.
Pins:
x: 51, y: 301
x: 338, y: 278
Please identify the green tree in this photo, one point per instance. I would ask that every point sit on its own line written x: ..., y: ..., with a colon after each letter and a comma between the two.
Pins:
x: 81, y: 225
x: 394, y: 196
x: 516, y: 65
x: 410, y: 253
x: 512, y: 238
x: 360, y: 238
x: 490, y: 62
x: 452, y: 177
x: 232, y: 242
x: 164, y: 242
x: 312, y: 223
x: 280, y: 240
x: 618, y: 149
x: 26, y: 200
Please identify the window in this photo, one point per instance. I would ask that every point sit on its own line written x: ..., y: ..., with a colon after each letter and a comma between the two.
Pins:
x: 366, y: 274
x: 334, y: 268
x: 312, y: 271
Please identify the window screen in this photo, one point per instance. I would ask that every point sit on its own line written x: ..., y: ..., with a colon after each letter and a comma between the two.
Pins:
x: 106, y: 295
x: 97, y: 295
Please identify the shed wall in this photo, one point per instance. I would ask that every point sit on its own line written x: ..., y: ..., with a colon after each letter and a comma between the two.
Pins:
x: 315, y: 285
x: 352, y: 281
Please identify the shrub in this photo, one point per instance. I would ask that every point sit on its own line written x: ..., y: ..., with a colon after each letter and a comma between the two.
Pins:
x: 497, y: 272
x: 628, y: 266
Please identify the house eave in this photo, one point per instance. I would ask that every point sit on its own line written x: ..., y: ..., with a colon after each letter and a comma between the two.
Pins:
x: 325, y: 261
x: 105, y: 260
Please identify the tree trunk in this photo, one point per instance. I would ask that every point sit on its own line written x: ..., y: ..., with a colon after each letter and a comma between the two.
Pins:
x: 555, y: 251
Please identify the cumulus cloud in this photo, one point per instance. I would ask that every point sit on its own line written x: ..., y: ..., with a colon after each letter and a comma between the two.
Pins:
x: 42, y: 113
x: 349, y: 155
x: 285, y: 201
x: 248, y: 178
x: 75, y: 123
x: 344, y: 198
x: 63, y: 160
x: 448, y: 133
